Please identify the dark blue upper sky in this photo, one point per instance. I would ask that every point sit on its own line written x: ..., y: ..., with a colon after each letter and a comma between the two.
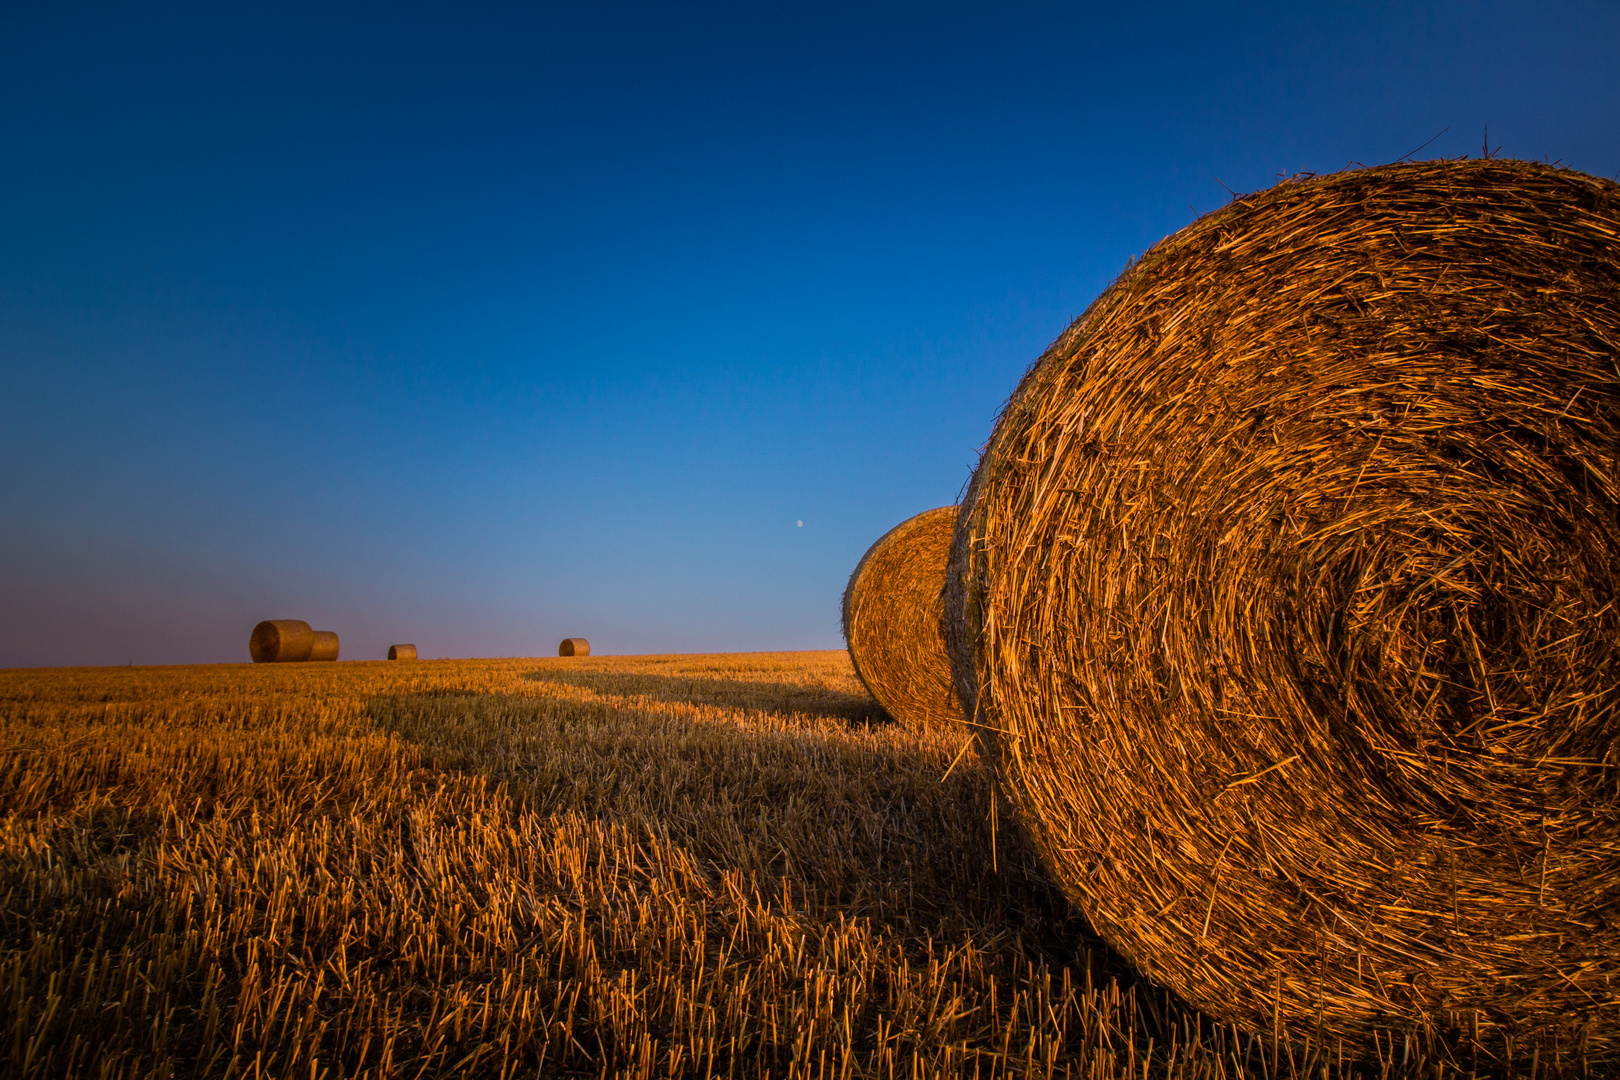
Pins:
x: 479, y: 326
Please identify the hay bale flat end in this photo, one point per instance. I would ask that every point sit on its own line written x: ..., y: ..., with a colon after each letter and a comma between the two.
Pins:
x: 1286, y: 594
x: 891, y: 614
x: 281, y: 641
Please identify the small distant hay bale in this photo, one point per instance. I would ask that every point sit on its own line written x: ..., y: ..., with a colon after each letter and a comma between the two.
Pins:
x: 1286, y: 590
x: 402, y: 652
x: 574, y: 646
x: 891, y: 614
x: 325, y: 646
x: 281, y: 641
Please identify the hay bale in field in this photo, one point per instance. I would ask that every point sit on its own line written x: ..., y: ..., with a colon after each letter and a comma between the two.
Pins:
x: 281, y: 641
x: 402, y: 652
x: 1286, y: 592
x: 891, y: 620
x: 325, y: 646
x: 574, y: 646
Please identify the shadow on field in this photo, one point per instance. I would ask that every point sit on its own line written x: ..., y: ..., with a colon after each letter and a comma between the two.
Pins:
x: 862, y: 834
x: 865, y: 820
x: 783, y: 698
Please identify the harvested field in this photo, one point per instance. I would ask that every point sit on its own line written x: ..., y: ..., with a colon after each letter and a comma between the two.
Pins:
x: 673, y: 866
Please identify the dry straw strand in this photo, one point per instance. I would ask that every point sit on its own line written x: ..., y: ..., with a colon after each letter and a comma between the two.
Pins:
x: 574, y: 646
x: 891, y: 618
x: 1285, y: 591
x: 281, y: 641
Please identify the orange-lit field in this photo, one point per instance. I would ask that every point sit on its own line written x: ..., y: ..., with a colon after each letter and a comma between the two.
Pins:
x: 726, y: 865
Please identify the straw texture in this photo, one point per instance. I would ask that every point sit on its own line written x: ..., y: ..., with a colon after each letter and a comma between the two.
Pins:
x: 891, y: 614
x: 325, y: 646
x: 1285, y: 596
x: 402, y: 652
x: 574, y: 646
x: 281, y: 641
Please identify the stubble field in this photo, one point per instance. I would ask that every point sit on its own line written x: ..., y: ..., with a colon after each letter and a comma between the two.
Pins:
x: 727, y: 865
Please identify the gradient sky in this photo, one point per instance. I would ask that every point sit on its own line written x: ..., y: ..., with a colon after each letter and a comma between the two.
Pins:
x: 478, y: 326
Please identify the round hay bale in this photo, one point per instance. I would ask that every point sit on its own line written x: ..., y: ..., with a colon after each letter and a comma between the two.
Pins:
x: 402, y: 652
x: 281, y: 641
x: 1286, y: 592
x: 574, y: 646
x: 325, y: 646
x: 891, y: 620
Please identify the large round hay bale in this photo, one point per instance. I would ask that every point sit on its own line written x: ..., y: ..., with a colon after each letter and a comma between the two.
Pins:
x: 1286, y: 590
x: 574, y: 646
x: 402, y: 652
x: 281, y: 641
x: 891, y: 620
x: 325, y: 646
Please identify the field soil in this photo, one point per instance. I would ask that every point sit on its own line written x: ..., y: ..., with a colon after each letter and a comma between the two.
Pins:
x: 723, y: 865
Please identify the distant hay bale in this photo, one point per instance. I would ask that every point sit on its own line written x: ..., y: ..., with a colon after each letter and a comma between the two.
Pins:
x: 1286, y: 592
x: 325, y: 646
x: 281, y: 641
x: 574, y: 646
x: 402, y: 652
x: 891, y: 620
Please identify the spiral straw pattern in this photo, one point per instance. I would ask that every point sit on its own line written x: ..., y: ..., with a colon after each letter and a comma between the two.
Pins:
x: 1284, y: 599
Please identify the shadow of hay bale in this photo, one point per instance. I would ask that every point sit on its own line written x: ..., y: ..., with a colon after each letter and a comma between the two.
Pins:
x: 1286, y: 588
x: 855, y: 823
x: 787, y: 699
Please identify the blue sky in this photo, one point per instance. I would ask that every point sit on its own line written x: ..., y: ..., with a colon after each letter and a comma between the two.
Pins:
x: 479, y: 326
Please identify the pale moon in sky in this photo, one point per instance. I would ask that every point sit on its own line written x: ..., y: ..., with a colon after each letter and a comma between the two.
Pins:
x: 801, y: 524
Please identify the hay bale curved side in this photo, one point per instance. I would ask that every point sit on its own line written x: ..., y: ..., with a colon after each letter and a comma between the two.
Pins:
x: 891, y: 613
x: 281, y: 641
x: 1286, y: 588
x: 324, y: 647
x: 402, y: 652
x: 574, y: 646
